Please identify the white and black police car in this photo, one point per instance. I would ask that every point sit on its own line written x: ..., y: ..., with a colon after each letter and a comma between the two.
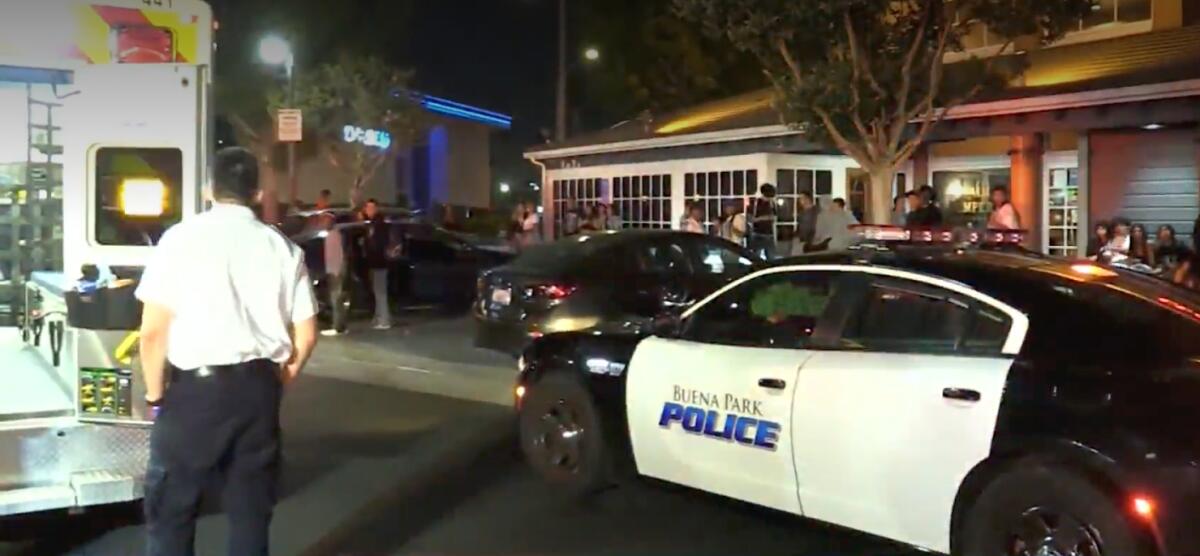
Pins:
x: 941, y: 389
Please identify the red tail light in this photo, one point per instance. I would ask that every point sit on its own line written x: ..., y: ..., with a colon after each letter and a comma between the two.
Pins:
x: 553, y: 292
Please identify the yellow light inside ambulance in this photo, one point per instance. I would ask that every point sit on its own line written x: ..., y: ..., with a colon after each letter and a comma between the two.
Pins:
x: 143, y: 197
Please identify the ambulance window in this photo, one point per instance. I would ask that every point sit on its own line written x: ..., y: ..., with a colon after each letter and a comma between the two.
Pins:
x: 139, y: 193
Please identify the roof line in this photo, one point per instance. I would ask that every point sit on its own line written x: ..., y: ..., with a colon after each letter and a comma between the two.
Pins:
x: 1098, y: 97
x: 672, y: 141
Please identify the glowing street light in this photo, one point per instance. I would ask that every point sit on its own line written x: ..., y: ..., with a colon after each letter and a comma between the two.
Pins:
x: 505, y: 187
x: 274, y: 50
x: 591, y: 54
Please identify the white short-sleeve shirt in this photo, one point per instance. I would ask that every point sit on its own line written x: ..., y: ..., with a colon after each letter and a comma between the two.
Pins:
x: 234, y: 286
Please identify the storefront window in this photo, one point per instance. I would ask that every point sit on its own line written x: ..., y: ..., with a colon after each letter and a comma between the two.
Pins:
x: 139, y: 194
x: 790, y: 184
x: 965, y: 196
x: 573, y: 195
x: 1062, y: 222
x: 712, y: 190
x: 643, y: 201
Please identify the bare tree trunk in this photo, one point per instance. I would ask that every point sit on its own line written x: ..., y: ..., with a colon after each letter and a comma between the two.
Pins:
x: 356, y: 192
x: 270, y: 197
x: 879, y: 195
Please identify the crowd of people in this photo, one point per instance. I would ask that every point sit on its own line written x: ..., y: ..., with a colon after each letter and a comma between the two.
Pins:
x: 590, y: 219
x: 1123, y: 242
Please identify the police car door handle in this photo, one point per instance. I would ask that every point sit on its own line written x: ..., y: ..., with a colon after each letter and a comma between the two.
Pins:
x: 961, y: 394
x: 772, y: 383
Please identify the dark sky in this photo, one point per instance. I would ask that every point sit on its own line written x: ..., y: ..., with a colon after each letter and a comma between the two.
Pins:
x: 496, y: 54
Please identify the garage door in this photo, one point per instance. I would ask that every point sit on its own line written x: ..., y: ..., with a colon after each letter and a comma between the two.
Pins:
x: 1150, y: 177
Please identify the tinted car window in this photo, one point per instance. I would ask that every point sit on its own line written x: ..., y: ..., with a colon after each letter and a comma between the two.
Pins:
x: 660, y: 257
x: 907, y: 317
x: 775, y: 311
x: 714, y: 258
x: 559, y: 256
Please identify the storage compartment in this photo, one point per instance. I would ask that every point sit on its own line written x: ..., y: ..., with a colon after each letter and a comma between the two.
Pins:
x: 104, y: 309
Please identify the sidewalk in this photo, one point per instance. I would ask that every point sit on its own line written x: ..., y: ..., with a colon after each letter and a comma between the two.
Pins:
x: 429, y: 355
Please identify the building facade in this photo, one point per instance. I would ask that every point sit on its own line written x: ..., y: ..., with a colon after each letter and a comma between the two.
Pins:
x: 447, y: 163
x: 1104, y: 124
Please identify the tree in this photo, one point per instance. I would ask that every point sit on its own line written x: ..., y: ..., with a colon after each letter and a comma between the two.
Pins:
x: 653, y: 60
x: 870, y: 76
x: 356, y: 92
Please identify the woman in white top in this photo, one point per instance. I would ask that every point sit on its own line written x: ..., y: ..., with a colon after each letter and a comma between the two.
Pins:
x: 529, y: 227
x: 694, y: 222
x: 1004, y: 215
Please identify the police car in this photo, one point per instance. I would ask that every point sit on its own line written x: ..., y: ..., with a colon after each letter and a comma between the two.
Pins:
x: 946, y: 390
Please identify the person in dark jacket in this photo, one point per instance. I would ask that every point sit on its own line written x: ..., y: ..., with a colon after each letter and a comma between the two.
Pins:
x: 927, y: 215
x: 377, y: 252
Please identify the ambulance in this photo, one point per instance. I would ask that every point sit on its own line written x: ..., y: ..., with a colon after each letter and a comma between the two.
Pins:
x: 105, y: 122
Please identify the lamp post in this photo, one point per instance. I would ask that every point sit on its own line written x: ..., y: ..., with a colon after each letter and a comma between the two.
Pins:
x: 592, y: 54
x: 274, y: 50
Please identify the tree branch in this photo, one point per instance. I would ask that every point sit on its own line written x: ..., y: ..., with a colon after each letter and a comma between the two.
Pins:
x: 861, y: 63
x: 840, y: 140
x: 856, y: 76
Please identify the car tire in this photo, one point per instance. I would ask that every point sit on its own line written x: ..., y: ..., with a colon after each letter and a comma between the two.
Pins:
x: 562, y: 436
x: 1050, y: 505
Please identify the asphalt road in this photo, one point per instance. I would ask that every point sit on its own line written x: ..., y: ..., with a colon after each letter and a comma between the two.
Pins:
x: 497, y: 507
x: 392, y: 448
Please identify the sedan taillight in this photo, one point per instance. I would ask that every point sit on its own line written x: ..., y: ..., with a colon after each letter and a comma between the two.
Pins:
x: 553, y: 292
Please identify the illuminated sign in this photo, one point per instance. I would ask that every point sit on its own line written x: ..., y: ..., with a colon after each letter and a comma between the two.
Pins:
x: 369, y: 137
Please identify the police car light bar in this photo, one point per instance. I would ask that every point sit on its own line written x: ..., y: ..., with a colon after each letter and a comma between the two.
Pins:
x: 897, y: 234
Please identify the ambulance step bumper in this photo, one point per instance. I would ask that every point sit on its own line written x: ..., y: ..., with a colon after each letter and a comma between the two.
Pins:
x: 92, y: 488
x: 36, y: 499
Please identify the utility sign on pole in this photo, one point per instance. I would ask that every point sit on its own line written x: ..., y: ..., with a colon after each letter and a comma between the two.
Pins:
x: 289, y: 123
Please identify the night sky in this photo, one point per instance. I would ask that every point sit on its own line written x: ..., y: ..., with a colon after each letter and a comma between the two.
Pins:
x: 496, y: 54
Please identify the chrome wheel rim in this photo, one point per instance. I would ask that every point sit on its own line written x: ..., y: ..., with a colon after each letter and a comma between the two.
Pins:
x: 1046, y: 532
x: 558, y: 437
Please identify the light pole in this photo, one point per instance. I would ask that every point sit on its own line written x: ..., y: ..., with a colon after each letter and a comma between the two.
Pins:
x: 274, y: 50
x: 592, y: 54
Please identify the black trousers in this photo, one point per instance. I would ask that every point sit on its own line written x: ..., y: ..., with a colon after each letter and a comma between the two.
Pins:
x: 215, y: 423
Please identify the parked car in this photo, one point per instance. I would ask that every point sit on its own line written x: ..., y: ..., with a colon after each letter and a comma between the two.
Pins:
x: 605, y: 282
x: 435, y: 266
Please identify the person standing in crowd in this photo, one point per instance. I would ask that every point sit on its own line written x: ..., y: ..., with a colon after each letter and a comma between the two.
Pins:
x: 926, y: 214
x: 833, y: 227
x: 1118, y: 244
x: 377, y: 249
x: 571, y: 219
x: 1168, y: 251
x: 587, y: 220
x: 762, y: 223
x: 335, y: 273
x: 530, y: 226
x: 516, y: 222
x: 733, y: 223
x: 610, y: 221
x: 694, y: 222
x: 1099, y: 239
x: 807, y: 214
x: 1139, y: 245
x: 899, y: 210
x: 1004, y: 215
x: 229, y: 320
x: 324, y: 200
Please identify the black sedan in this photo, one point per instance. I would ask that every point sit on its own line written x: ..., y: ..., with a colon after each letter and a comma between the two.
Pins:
x: 608, y: 282
x: 433, y: 267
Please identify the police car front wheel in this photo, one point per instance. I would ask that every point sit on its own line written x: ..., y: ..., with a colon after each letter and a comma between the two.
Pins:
x: 1047, y: 511
x: 561, y: 435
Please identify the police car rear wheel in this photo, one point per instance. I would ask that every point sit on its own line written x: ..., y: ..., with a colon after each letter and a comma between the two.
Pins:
x: 561, y: 435
x: 1046, y: 511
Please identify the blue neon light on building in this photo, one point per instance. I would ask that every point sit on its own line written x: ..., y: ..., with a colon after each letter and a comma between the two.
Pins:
x: 464, y: 111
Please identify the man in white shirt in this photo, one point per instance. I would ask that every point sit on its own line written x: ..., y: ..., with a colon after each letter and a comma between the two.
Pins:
x: 229, y: 319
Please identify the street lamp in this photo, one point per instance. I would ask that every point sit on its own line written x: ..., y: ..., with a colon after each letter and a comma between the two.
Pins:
x: 591, y: 54
x: 274, y: 50
x: 505, y: 187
